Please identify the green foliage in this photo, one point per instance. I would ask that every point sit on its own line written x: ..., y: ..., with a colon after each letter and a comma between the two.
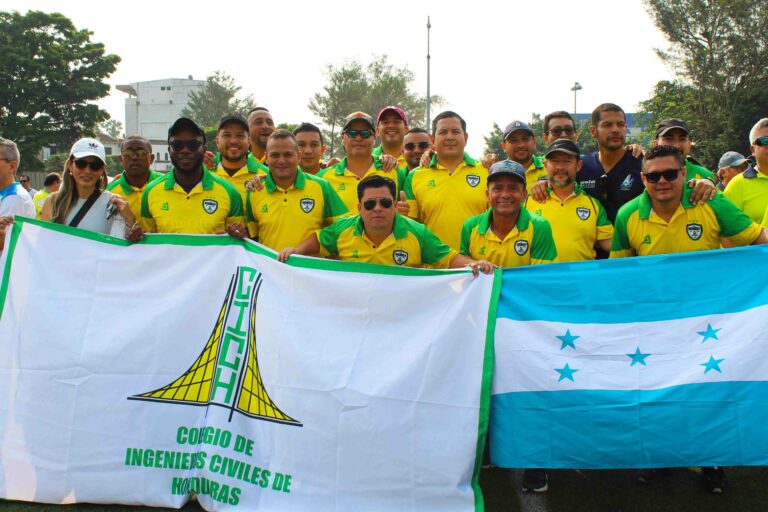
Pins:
x: 114, y: 165
x: 493, y: 142
x: 210, y: 138
x: 288, y: 126
x: 718, y: 50
x: 584, y: 140
x: 56, y: 162
x: 50, y: 73
x: 214, y: 99
x: 352, y: 87
x: 113, y: 128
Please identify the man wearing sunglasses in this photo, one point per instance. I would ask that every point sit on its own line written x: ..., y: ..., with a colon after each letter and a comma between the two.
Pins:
x: 190, y: 199
x: 675, y: 132
x: 357, y: 137
x: 14, y: 199
x: 662, y: 220
x: 391, y: 125
x: 292, y: 204
x: 137, y: 157
x: 26, y: 183
x: 415, y: 144
x: 749, y: 190
x: 378, y: 234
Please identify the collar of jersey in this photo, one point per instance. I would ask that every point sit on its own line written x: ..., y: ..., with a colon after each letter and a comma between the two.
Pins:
x: 340, y: 167
x: 128, y: 188
x: 577, y: 191
x: 170, y: 179
x: 298, y: 183
x: 537, y: 162
x: 645, y: 205
x: 467, y: 160
x: 253, y: 165
x: 399, y: 227
x: 522, y: 221
x: 751, y: 172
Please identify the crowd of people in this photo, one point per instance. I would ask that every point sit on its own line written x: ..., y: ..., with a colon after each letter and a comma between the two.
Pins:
x: 417, y: 199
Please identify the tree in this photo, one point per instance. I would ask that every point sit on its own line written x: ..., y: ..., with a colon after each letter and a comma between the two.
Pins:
x: 287, y: 126
x: 215, y: 98
x: 50, y: 74
x: 718, y: 50
x: 493, y: 142
x: 352, y: 87
x: 113, y: 128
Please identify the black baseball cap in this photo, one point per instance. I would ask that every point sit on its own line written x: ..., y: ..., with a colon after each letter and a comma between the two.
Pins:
x: 517, y: 126
x: 672, y: 124
x: 566, y: 146
x: 185, y: 123
x: 233, y: 118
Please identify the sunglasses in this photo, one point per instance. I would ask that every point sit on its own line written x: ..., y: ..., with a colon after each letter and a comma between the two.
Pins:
x: 370, y: 204
x: 364, y: 134
x: 761, y: 141
x: 23, y: 181
x: 94, y: 165
x: 130, y: 153
x: 412, y: 145
x: 669, y: 175
x: 559, y: 130
x: 179, y: 145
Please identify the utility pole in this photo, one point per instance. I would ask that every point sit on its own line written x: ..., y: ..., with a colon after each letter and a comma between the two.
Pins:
x: 429, y: 96
x: 576, y: 87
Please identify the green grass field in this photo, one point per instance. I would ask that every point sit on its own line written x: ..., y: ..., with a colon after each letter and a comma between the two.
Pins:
x: 569, y: 491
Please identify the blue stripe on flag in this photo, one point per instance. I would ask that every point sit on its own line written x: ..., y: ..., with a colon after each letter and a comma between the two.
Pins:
x: 713, y: 424
x: 637, y: 289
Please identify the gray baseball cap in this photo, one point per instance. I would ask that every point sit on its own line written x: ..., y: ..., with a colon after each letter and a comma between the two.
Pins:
x: 731, y: 159
x: 506, y: 168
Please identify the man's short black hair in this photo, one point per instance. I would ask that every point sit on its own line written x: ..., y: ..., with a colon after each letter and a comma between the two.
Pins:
x: 417, y: 130
x: 309, y: 127
x: 605, y: 107
x: 376, y: 181
x: 447, y: 115
x: 255, y: 109
x: 662, y: 151
x: 136, y: 138
x: 51, y: 178
x: 556, y: 115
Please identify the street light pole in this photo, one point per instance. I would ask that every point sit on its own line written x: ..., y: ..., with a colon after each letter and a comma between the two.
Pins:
x: 429, y: 97
x: 576, y: 87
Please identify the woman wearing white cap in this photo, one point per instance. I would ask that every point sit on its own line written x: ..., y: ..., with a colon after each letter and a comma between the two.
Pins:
x: 82, y: 200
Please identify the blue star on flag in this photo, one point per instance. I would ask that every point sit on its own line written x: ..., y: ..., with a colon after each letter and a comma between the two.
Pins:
x: 710, y: 333
x: 568, y: 340
x: 712, y: 364
x: 566, y: 372
x: 638, y: 357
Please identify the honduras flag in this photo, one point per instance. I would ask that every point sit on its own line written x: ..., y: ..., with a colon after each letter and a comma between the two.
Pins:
x: 658, y: 361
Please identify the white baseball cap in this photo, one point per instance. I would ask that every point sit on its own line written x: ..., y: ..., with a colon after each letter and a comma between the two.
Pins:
x: 88, y: 147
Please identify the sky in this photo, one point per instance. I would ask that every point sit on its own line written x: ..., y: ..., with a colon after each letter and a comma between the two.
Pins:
x: 491, y: 61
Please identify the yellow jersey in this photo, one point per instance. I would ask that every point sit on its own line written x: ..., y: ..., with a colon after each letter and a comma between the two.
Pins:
x: 344, y: 182
x: 131, y: 194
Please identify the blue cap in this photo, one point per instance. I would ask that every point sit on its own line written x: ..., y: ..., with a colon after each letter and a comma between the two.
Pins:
x: 731, y: 159
x: 507, y: 168
x: 515, y: 126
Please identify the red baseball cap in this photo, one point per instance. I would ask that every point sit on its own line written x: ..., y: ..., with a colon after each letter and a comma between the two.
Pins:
x: 397, y: 110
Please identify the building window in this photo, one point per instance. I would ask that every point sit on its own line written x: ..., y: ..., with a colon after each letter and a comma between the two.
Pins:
x: 162, y: 87
x: 158, y: 156
x: 107, y: 151
x: 166, y: 157
x: 168, y: 88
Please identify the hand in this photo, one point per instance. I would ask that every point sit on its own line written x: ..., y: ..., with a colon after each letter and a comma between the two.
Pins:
x: 539, y: 191
x: 255, y: 183
x: 388, y: 162
x: 208, y: 161
x: 490, y: 159
x: 703, y: 190
x: 134, y: 233
x: 333, y: 161
x: 123, y: 209
x: 5, y: 221
x: 403, y: 208
x: 484, y: 266
x: 636, y: 149
x: 237, y: 231
x: 283, y: 255
x: 426, y: 158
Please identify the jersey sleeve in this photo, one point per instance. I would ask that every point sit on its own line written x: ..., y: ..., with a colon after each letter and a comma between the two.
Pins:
x: 734, y: 224
x: 252, y: 222
x: 413, y: 204
x: 620, y: 246
x: 466, y: 236
x: 333, y: 206
x: 329, y: 236
x: 604, y: 226
x: 433, y: 251
x: 146, y: 221
x: 236, y: 214
x: 543, y: 248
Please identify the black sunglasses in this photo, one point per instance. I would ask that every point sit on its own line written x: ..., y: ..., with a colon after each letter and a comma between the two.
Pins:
x: 557, y: 131
x: 364, y: 134
x: 669, y: 175
x: 179, y: 145
x: 412, y: 145
x: 95, y: 165
x: 370, y: 204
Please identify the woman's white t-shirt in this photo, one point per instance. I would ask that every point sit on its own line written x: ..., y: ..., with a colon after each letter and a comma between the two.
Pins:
x: 96, y: 218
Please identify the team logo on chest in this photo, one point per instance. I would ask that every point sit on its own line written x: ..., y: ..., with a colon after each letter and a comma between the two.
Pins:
x: 307, y: 204
x: 399, y: 256
x: 521, y: 247
x: 583, y: 213
x: 694, y: 231
x: 473, y: 180
x: 210, y: 206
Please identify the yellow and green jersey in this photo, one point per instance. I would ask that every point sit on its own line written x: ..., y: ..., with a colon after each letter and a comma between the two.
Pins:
x: 131, y: 194
x: 578, y: 222
x: 402, y: 164
x: 749, y: 192
x: 283, y: 218
x: 409, y: 245
x: 641, y: 232
x: 211, y: 206
x: 529, y: 243
x: 442, y: 200
x: 251, y: 168
x: 39, y: 200
x: 697, y: 172
x: 535, y: 172
x: 344, y: 181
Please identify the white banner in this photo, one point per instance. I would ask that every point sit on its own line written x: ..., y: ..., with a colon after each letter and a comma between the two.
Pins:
x: 186, y: 365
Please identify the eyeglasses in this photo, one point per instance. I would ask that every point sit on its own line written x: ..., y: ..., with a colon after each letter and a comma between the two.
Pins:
x: 412, y: 145
x: 761, y: 141
x: 179, y: 145
x: 23, y: 181
x: 370, y: 204
x: 364, y: 134
x: 557, y: 131
x: 94, y: 165
x: 669, y: 175
x: 130, y: 153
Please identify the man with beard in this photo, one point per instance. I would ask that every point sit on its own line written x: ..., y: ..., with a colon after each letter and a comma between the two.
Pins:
x: 136, y: 156
x: 260, y: 127
x: 233, y: 163
x: 519, y: 144
x: 190, y: 199
x: 415, y: 144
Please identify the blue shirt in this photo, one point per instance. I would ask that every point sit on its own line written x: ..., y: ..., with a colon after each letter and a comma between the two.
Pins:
x: 615, y: 188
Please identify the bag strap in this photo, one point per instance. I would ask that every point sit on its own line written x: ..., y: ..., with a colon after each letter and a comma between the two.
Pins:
x: 84, y: 209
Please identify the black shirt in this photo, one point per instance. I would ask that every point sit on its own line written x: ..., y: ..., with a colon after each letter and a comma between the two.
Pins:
x: 613, y: 189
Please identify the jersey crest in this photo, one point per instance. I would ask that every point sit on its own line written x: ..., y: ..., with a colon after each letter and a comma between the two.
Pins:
x: 400, y: 256
x: 521, y: 247
x: 307, y: 204
x: 694, y: 231
x: 473, y: 180
x: 210, y: 206
x: 583, y: 213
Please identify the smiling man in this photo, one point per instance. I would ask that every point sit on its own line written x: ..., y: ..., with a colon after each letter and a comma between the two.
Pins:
x: 391, y: 125
x: 260, y: 127
x: 137, y: 157
x: 233, y: 163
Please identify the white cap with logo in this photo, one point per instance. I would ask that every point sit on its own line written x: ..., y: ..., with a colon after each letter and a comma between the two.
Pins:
x: 88, y: 147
